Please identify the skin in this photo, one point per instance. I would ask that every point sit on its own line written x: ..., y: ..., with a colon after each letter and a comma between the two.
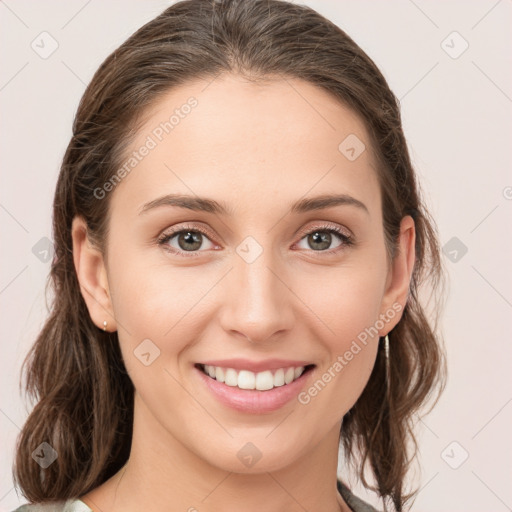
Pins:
x: 257, y: 148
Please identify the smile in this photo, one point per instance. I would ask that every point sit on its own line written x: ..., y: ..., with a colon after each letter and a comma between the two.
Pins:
x: 253, y: 392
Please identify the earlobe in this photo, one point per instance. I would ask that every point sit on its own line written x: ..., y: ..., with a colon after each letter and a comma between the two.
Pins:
x: 92, y: 276
x: 399, y: 279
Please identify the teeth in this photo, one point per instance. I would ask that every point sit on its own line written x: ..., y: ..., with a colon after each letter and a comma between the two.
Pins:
x: 231, y: 378
x: 279, y: 377
x: 246, y: 380
x: 262, y: 381
x: 219, y: 374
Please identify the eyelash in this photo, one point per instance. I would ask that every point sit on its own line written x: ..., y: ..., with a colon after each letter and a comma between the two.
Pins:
x: 347, y: 241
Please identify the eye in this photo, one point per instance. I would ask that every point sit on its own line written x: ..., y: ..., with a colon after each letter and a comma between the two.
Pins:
x: 190, y: 240
x: 321, y: 237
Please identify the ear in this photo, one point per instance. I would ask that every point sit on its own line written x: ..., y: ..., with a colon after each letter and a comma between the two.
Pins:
x: 92, y: 276
x: 399, y: 274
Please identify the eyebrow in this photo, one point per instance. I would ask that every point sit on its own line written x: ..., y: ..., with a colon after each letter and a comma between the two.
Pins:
x: 204, y: 204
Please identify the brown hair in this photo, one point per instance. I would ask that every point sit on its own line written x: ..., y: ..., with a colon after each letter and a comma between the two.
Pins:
x: 75, y: 371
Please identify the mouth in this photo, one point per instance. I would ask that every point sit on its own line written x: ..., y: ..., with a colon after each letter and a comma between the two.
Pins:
x: 253, y: 392
x: 260, y: 381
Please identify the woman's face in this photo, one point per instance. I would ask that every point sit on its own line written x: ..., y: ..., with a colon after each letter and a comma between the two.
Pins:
x: 251, y: 281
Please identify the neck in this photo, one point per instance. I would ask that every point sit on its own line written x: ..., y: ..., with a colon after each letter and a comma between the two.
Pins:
x: 162, y: 472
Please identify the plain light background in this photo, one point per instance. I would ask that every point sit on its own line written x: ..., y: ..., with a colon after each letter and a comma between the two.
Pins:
x: 456, y: 108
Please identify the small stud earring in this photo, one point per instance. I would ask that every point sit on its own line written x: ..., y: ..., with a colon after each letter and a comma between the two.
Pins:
x: 104, y: 325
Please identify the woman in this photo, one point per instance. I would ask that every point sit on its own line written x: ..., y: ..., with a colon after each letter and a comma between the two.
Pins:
x: 240, y: 243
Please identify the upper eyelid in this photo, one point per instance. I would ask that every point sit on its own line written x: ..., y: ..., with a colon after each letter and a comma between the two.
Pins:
x: 173, y: 232
x: 325, y: 225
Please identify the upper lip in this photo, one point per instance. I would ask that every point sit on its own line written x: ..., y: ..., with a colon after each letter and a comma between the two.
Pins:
x: 255, y: 366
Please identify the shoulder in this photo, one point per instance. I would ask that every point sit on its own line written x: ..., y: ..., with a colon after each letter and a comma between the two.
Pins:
x: 55, y: 506
x: 355, y: 503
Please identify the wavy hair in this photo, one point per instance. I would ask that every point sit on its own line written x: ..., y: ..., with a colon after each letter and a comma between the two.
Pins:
x: 75, y: 373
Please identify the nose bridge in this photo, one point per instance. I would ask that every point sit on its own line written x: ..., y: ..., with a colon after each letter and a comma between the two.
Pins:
x: 259, y: 304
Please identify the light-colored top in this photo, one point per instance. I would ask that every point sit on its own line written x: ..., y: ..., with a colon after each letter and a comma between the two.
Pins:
x: 55, y: 506
x: 356, y: 504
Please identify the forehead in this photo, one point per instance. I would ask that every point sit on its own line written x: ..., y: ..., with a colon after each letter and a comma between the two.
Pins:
x: 242, y: 142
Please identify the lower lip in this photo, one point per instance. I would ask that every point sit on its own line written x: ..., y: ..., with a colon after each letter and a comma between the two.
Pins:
x: 251, y: 400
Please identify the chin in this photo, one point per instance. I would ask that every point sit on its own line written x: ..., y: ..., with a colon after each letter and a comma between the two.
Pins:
x: 250, y: 457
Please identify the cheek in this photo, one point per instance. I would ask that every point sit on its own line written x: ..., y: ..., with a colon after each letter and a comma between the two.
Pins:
x: 154, y: 311
x: 348, y: 304
x: 345, y: 300
x: 153, y: 301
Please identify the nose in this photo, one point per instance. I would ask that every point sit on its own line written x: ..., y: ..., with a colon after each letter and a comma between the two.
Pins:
x: 258, y: 303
